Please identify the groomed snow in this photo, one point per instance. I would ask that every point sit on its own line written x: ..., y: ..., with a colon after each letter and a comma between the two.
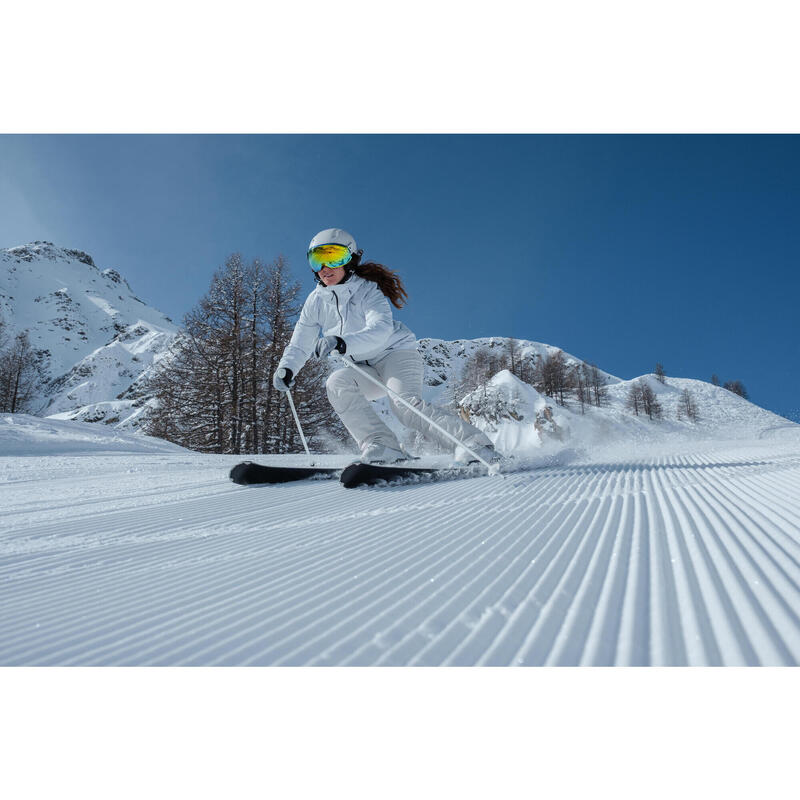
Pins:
x: 684, y: 552
x: 26, y: 435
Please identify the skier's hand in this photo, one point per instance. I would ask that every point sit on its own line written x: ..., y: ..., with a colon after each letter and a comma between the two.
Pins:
x: 282, y: 379
x: 327, y: 344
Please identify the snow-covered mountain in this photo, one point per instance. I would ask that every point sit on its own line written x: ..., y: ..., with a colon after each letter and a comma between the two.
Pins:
x: 99, y: 337
x: 102, y: 342
x: 519, y: 419
x: 444, y: 360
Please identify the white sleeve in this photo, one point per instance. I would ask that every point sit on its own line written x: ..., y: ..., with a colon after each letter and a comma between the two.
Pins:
x: 304, y: 336
x: 379, y: 324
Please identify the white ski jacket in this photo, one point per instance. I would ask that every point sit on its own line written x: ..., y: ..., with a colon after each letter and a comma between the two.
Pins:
x: 358, y: 312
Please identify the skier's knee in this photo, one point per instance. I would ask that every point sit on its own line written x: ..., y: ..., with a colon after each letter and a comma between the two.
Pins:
x: 334, y: 382
x: 338, y: 381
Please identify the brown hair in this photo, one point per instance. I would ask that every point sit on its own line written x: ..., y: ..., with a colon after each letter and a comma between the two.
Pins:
x: 388, y: 282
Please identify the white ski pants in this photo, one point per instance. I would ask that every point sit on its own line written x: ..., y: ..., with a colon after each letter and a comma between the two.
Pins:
x: 402, y: 372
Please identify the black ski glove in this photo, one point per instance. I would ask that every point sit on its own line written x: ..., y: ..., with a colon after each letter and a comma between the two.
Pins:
x: 327, y: 344
x: 282, y: 379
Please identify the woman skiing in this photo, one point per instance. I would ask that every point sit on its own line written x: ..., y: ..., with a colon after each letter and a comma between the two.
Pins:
x: 349, y: 309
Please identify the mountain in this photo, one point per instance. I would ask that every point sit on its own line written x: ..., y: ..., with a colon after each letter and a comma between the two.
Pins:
x: 102, y: 342
x: 100, y: 339
x: 519, y: 419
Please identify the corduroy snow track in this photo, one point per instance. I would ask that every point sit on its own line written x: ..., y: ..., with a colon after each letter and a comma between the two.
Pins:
x: 680, y: 555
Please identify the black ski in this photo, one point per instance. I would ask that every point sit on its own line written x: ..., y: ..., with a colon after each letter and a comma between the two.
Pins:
x: 359, y: 474
x: 247, y: 472
x: 353, y: 475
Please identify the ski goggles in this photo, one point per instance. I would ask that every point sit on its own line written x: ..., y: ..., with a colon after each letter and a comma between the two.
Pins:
x: 328, y: 255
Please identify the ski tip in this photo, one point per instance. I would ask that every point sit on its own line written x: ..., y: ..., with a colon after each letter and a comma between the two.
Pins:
x: 239, y: 472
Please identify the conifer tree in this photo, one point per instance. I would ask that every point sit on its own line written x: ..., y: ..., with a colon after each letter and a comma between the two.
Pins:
x: 21, y: 375
x: 597, y: 385
x: 214, y: 391
x: 513, y: 356
x: 580, y: 384
x: 641, y: 397
x: 737, y: 387
x: 552, y: 376
x: 633, y: 401
x: 687, y: 406
x: 650, y: 403
x: 479, y: 368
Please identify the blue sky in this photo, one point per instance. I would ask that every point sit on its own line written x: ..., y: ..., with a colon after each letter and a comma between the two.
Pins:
x: 623, y: 250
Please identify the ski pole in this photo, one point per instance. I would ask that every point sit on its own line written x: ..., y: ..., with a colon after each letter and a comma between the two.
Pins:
x: 494, y: 469
x: 299, y: 427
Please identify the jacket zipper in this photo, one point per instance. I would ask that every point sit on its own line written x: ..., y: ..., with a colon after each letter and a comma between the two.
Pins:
x: 341, y: 320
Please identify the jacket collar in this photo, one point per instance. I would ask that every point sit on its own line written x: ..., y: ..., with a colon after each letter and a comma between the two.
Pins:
x: 342, y: 291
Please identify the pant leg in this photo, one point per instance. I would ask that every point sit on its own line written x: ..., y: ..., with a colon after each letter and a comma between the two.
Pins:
x: 349, y: 394
x: 402, y: 371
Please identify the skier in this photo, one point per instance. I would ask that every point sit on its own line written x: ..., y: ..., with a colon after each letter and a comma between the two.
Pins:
x: 349, y: 312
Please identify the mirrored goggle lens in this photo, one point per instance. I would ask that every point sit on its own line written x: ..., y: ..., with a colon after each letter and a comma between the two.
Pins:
x: 328, y: 255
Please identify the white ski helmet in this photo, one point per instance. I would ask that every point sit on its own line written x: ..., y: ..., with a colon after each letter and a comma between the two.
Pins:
x: 340, y: 237
x: 334, y: 236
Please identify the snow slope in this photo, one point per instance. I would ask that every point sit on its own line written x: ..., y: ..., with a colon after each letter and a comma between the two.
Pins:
x: 518, y: 419
x: 681, y: 552
x: 25, y: 435
x: 444, y: 360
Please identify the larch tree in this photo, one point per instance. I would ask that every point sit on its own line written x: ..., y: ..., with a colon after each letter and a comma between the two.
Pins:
x: 214, y: 391
x: 21, y: 375
x: 553, y: 377
x: 687, y: 406
x: 597, y: 385
x: 737, y: 387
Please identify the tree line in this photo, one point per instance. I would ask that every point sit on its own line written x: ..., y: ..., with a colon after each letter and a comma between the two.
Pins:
x: 214, y: 392
x: 550, y: 374
x: 579, y: 383
x: 642, y: 399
